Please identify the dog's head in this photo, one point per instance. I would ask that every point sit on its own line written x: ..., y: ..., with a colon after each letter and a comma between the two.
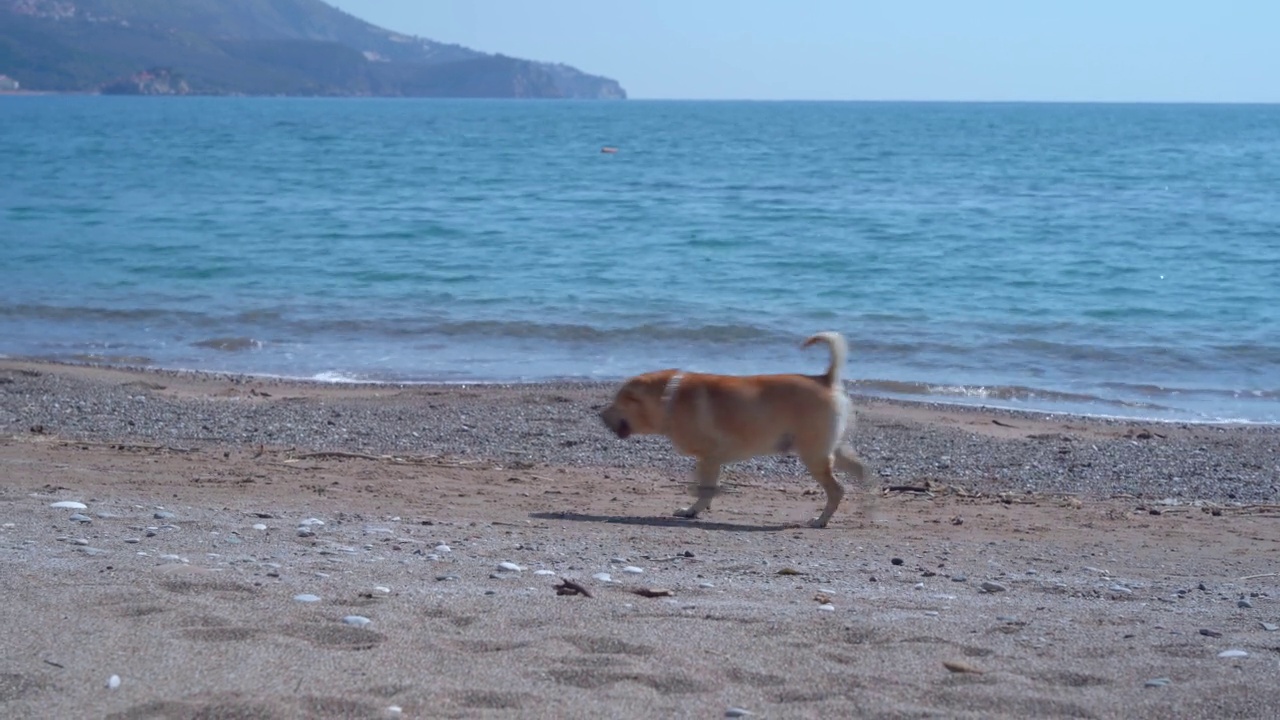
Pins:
x: 637, y: 408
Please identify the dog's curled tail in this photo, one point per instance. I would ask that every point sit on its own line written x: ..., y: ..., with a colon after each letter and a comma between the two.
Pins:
x: 839, y: 353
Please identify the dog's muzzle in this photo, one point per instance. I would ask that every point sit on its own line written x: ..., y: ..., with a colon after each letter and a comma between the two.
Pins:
x: 618, y: 425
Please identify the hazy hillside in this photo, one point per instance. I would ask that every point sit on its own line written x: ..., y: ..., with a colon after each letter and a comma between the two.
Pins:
x: 255, y: 47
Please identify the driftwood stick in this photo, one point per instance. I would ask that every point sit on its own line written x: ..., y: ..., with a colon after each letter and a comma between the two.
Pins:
x: 569, y: 587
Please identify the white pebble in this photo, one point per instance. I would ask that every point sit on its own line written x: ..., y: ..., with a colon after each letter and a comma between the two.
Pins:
x: 827, y: 607
x: 509, y: 567
x: 356, y: 620
x: 706, y: 585
x: 307, y: 597
x: 113, y: 682
x: 259, y: 526
x: 603, y: 577
x: 442, y: 548
x: 1233, y: 654
x: 633, y: 570
x: 382, y: 589
x: 311, y: 521
x: 544, y: 572
x: 394, y: 710
x: 69, y: 505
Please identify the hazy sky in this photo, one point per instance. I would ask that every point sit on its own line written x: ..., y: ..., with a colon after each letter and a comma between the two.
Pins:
x: 1106, y: 50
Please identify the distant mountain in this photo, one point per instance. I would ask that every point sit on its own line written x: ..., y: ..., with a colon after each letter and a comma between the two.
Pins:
x: 256, y: 47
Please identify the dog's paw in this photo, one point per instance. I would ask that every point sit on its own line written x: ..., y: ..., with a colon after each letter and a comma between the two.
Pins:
x: 818, y: 522
x: 687, y: 512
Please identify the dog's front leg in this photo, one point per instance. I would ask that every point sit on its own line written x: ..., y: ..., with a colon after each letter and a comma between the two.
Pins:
x: 708, y: 474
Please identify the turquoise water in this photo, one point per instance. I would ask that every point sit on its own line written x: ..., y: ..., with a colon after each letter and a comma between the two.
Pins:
x: 1108, y: 259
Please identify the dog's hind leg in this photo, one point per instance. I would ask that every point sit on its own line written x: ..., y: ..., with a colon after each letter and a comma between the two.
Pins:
x: 821, y: 470
x: 708, y: 480
x: 847, y: 461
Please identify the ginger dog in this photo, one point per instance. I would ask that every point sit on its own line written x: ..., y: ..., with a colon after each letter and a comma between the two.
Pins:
x: 720, y: 419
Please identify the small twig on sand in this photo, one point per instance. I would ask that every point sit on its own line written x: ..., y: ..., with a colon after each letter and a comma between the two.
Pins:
x: 129, y: 446
x: 341, y: 454
x: 653, y: 592
x: 569, y: 587
x: 908, y: 488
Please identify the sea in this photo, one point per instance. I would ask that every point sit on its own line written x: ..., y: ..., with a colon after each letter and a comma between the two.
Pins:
x: 1102, y: 259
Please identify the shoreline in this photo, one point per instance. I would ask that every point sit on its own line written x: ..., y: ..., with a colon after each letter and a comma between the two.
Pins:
x: 585, y: 383
x: 554, y: 424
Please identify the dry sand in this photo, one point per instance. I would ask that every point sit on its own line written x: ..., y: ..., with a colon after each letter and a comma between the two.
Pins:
x: 1107, y: 548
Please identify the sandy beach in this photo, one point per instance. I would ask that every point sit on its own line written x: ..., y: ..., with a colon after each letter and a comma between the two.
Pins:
x: 250, y: 548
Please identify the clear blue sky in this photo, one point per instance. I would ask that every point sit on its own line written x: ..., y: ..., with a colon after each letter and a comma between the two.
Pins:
x: 1101, y: 50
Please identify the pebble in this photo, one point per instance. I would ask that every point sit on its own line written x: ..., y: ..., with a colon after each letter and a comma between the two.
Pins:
x: 1233, y: 654
x: 446, y: 578
x: 603, y: 577
x: 706, y: 585
x: 509, y: 567
x: 633, y: 570
x: 544, y: 572
x: 992, y: 587
x: 394, y: 711
x: 1158, y: 682
x: 1120, y: 589
x: 69, y: 505
x: 79, y: 541
x: 1210, y: 633
x: 959, y: 578
x: 356, y: 620
x: 259, y: 526
x: 132, y: 541
x: 113, y: 682
x: 311, y: 521
x: 164, y: 515
x: 1244, y: 603
x: 79, y: 518
x: 1270, y: 627
x: 896, y: 561
x: 442, y: 548
x: 735, y: 712
x: 307, y: 597
x: 827, y: 607
x: 382, y: 589
x: 104, y: 515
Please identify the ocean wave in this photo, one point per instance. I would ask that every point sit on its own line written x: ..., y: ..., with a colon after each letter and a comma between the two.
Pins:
x: 995, y: 393
x: 230, y: 344
x: 728, y: 333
